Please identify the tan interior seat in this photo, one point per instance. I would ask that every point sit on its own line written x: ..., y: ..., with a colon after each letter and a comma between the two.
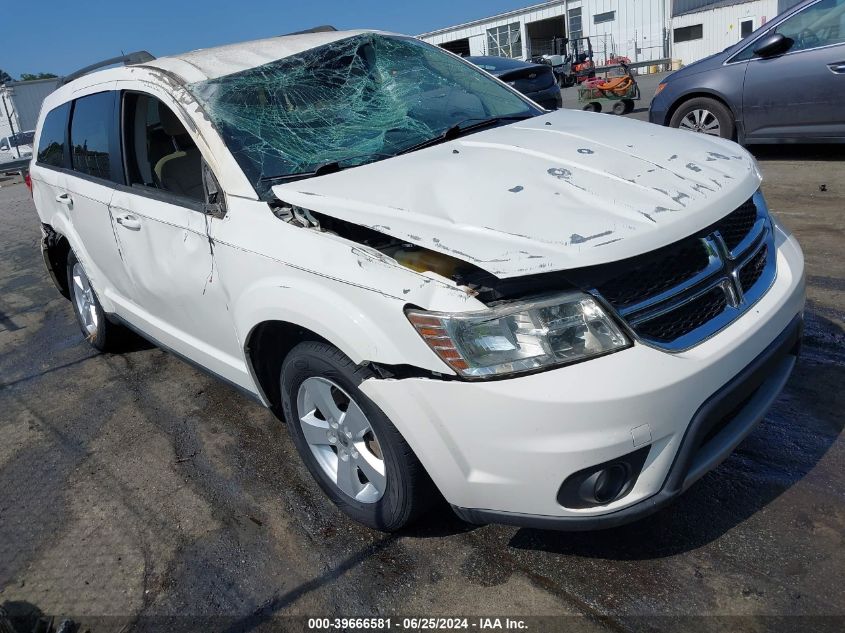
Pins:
x: 180, y: 171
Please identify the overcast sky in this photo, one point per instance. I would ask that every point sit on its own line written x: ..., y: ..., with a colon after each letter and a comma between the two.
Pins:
x: 62, y: 36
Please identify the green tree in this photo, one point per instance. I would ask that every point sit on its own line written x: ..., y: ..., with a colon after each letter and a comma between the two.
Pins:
x: 32, y: 76
x: 4, y: 76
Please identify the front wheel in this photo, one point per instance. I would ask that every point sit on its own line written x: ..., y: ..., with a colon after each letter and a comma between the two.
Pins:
x: 351, y: 448
x: 705, y: 116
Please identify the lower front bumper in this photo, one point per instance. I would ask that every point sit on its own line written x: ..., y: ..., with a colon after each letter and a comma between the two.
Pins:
x: 718, y: 426
x: 504, y: 448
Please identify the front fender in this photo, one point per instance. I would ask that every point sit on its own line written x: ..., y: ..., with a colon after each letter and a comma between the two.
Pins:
x: 364, y: 324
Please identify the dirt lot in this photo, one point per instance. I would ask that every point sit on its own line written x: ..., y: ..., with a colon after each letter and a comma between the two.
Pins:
x: 133, y: 485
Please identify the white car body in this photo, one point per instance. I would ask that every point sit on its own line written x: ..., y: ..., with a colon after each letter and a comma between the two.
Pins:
x: 555, y: 193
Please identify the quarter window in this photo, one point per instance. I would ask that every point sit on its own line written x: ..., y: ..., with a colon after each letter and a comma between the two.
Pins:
x: 51, y: 144
x: 92, y: 135
x: 688, y: 33
x: 820, y: 24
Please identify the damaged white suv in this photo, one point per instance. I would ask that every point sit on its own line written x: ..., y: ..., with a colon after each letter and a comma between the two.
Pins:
x: 554, y: 319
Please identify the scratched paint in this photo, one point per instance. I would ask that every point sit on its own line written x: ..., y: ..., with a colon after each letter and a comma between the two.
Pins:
x: 466, y: 211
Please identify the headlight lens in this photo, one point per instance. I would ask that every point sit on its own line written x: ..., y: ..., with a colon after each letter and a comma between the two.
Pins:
x: 521, y: 336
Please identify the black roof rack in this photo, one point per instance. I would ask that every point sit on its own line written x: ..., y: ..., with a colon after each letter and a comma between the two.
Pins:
x: 138, y: 57
x: 324, y: 28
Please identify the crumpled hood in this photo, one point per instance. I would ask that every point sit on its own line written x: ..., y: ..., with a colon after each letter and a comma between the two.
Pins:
x: 559, y: 191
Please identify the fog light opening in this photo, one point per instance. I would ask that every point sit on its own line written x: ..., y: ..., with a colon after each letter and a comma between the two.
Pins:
x: 610, y: 482
x: 603, y: 483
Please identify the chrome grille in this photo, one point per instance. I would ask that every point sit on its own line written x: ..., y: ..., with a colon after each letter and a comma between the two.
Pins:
x: 692, y: 289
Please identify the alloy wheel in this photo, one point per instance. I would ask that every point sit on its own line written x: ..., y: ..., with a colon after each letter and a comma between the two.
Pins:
x: 702, y: 121
x: 341, y: 439
x: 83, y: 297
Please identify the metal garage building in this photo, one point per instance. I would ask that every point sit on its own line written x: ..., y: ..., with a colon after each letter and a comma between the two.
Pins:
x: 642, y: 30
x: 20, y: 103
x: 636, y: 30
x: 703, y: 27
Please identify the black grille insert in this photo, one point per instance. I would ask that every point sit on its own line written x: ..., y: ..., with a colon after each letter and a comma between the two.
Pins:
x: 735, y: 226
x: 685, y: 318
x: 750, y: 273
x: 681, y: 261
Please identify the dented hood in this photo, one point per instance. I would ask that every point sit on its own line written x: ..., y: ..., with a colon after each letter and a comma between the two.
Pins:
x: 559, y: 191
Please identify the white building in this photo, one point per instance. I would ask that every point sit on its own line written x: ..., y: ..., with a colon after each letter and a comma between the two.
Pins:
x: 637, y: 30
x: 702, y: 28
x: 641, y: 30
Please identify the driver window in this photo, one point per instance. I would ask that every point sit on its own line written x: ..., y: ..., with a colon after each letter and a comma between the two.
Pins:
x: 821, y: 24
x: 159, y: 151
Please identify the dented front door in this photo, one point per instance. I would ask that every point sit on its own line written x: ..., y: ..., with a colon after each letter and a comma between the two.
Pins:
x: 175, y: 296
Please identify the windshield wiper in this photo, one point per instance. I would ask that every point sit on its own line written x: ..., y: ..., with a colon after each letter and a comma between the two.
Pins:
x: 459, y: 129
x: 322, y: 169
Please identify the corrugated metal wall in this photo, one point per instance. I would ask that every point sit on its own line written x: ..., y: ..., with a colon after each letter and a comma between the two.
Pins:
x: 637, y: 30
x: 721, y: 27
x: 25, y: 98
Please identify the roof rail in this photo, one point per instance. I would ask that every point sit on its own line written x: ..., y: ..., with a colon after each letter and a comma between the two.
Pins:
x: 324, y: 28
x: 138, y: 57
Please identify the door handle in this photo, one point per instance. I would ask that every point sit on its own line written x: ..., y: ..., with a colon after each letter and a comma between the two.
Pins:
x: 837, y: 67
x: 64, y: 198
x: 128, y: 221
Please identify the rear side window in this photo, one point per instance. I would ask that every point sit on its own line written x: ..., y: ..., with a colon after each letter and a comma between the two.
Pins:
x: 93, y: 137
x: 51, y: 144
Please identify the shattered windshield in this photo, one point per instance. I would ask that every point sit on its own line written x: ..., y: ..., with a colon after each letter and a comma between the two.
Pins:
x: 350, y: 102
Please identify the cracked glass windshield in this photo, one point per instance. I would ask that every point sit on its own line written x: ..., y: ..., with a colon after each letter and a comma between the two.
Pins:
x: 353, y: 101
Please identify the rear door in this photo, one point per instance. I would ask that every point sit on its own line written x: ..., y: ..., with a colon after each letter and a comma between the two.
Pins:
x: 96, y: 168
x: 800, y: 93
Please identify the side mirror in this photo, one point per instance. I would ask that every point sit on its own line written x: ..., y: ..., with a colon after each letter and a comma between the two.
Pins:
x: 773, y: 44
x: 215, y: 202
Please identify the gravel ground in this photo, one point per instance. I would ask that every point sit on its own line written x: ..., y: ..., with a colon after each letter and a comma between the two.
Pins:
x: 134, y: 486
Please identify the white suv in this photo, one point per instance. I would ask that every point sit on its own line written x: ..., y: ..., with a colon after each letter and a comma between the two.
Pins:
x: 553, y: 319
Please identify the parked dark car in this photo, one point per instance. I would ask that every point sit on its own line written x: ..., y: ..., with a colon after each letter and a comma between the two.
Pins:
x: 535, y: 81
x: 783, y: 83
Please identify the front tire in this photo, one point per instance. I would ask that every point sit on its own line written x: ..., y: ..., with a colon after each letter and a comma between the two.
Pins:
x: 97, y: 329
x: 705, y: 116
x: 351, y: 448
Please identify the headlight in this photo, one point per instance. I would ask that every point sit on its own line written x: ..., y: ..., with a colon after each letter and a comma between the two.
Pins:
x: 520, y: 336
x: 660, y: 88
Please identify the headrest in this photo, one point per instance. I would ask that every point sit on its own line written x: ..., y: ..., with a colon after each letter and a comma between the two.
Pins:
x: 171, y: 125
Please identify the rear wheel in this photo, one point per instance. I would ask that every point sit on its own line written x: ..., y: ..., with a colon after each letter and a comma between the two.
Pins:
x: 705, y: 116
x: 97, y: 329
x: 351, y: 448
x: 619, y: 108
x: 593, y: 106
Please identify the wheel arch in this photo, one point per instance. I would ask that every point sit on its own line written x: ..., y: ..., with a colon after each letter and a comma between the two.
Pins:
x: 705, y: 94
x: 55, y: 248
x: 265, y: 349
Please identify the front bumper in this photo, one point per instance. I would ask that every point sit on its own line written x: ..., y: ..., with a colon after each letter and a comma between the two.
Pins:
x: 500, y: 450
x: 658, y: 109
